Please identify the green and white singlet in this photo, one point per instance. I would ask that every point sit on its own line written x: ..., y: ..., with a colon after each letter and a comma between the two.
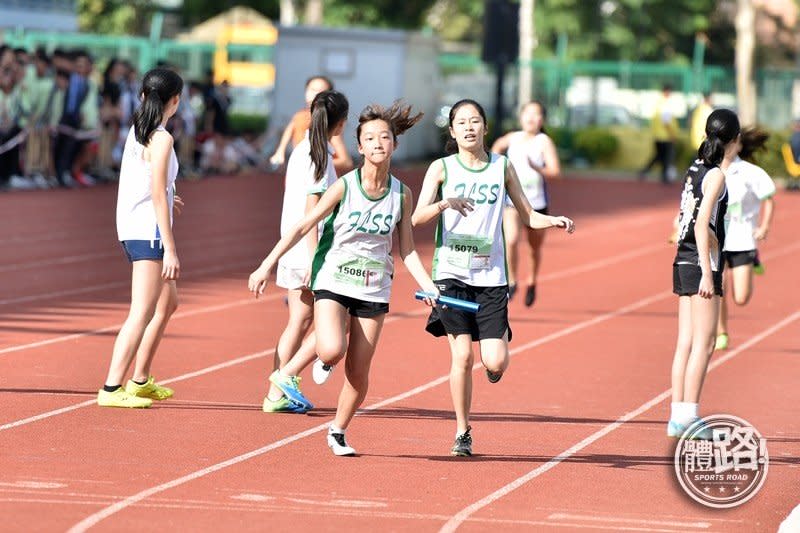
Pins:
x: 354, y: 255
x: 471, y: 248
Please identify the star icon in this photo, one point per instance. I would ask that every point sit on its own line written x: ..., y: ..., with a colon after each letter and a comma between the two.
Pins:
x: 736, y: 489
x: 708, y: 489
x: 722, y: 489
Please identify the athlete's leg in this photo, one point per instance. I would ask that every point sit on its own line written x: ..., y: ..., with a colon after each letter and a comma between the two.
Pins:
x: 166, y: 306
x: 364, y: 335
x: 146, y: 287
x: 462, y: 359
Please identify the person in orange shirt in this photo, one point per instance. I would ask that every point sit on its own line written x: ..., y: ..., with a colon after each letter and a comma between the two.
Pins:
x: 301, y: 121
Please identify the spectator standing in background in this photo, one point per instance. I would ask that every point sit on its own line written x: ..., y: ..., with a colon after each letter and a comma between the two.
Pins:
x: 664, y: 127
x: 699, y: 118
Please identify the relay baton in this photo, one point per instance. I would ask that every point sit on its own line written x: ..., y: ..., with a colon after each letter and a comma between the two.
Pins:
x: 455, y: 303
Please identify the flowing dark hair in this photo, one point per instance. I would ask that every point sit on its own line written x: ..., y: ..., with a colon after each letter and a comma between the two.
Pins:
x: 722, y: 128
x: 158, y: 87
x: 753, y: 140
x: 452, y: 146
x: 397, y: 116
x: 328, y: 109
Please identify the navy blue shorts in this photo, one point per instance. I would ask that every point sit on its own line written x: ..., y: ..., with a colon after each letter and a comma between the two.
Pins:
x: 140, y: 250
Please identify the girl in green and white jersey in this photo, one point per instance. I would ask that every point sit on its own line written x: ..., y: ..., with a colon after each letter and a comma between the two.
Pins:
x: 352, y: 269
x: 465, y: 193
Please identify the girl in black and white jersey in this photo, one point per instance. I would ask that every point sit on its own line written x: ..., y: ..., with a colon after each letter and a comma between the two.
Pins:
x: 697, y: 268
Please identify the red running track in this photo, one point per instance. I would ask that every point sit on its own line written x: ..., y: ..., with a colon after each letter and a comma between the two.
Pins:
x: 572, y: 438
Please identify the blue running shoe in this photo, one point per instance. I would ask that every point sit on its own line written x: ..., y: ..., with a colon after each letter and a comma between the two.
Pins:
x: 674, y: 429
x: 698, y: 430
x: 290, y: 386
x: 282, y: 405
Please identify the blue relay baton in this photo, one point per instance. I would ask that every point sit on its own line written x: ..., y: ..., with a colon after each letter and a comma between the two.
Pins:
x: 455, y: 303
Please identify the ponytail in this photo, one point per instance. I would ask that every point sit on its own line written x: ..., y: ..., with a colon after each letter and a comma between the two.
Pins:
x: 711, y: 151
x: 159, y: 86
x: 147, y: 117
x: 722, y: 128
x: 328, y: 110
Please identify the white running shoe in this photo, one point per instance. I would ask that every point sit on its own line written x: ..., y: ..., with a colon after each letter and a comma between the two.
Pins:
x: 320, y: 372
x: 338, y: 445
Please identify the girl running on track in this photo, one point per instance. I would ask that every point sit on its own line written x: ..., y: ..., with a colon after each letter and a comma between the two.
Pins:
x: 353, y: 267
x: 749, y: 188
x: 145, y: 202
x: 534, y: 157
x: 465, y: 192
x: 697, y: 268
x: 301, y: 121
x: 308, y: 175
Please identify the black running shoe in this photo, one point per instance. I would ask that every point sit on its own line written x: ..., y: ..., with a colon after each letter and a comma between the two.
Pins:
x: 463, y: 444
x: 530, y: 296
x: 493, y: 377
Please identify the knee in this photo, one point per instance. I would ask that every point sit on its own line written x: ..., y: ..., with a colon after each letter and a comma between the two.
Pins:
x: 330, y: 352
x: 462, y: 360
x: 741, y: 299
x: 358, y: 377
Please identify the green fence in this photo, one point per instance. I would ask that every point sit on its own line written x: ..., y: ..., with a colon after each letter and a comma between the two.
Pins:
x: 553, y: 77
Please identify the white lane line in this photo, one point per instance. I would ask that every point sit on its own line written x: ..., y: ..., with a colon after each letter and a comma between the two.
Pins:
x: 114, y: 327
x: 115, y: 284
x: 468, y: 511
x: 182, y: 377
x: 106, y: 512
x: 636, y: 521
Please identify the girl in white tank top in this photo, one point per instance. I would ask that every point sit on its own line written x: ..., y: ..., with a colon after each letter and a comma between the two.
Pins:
x: 465, y: 193
x: 535, y: 160
x: 308, y: 175
x: 352, y: 270
x: 144, y: 225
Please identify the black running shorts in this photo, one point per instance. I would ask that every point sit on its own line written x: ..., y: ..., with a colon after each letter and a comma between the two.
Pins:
x: 686, y: 280
x: 490, y: 322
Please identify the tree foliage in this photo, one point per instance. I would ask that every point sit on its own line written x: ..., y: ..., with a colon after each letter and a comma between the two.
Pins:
x: 114, y: 16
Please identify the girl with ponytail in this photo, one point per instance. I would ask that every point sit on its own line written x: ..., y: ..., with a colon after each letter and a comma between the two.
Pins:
x: 749, y: 188
x: 353, y: 268
x: 697, y: 268
x: 309, y: 173
x: 145, y: 204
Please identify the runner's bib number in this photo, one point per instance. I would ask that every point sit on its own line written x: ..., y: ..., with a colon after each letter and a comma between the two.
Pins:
x: 469, y: 251
x: 360, y: 272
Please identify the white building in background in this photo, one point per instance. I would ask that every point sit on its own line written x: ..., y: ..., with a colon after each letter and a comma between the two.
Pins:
x: 368, y: 66
x: 54, y: 15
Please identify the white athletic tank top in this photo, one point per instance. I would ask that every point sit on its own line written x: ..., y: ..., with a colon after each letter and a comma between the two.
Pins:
x: 471, y: 248
x: 136, y: 216
x: 523, y: 151
x: 354, y: 255
x: 298, y: 185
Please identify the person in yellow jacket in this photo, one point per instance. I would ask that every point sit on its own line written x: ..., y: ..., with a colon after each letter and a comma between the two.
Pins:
x: 699, y: 117
x: 664, y: 126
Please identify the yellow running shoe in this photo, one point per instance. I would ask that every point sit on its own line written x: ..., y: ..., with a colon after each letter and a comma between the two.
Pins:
x: 151, y: 390
x: 121, y: 398
x: 722, y: 342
